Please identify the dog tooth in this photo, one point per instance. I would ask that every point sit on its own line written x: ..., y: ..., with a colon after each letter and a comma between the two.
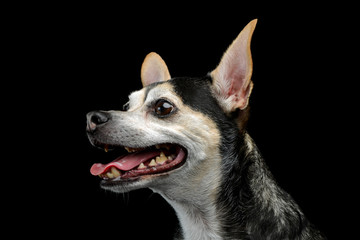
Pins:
x: 141, y: 166
x: 109, y: 175
x: 161, y: 159
x: 127, y: 149
x: 115, y: 172
x: 170, y: 158
x: 152, y: 163
x: 106, y: 148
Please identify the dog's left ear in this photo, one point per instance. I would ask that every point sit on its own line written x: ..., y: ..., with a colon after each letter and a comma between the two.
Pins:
x: 232, y: 77
x: 154, y: 69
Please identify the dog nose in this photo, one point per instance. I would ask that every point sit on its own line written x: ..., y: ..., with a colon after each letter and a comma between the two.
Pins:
x: 95, y: 119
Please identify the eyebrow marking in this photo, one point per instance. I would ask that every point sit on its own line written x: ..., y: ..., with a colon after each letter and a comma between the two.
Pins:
x: 136, y: 99
x: 150, y: 87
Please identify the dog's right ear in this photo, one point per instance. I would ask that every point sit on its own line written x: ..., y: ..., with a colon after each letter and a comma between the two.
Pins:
x: 154, y: 69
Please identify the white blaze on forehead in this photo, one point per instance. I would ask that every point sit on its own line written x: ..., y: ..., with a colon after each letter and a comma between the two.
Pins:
x: 136, y: 99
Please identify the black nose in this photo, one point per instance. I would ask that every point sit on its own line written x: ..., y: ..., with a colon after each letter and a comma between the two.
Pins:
x: 95, y: 119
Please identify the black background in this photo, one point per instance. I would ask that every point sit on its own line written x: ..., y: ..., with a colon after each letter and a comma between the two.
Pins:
x: 69, y: 60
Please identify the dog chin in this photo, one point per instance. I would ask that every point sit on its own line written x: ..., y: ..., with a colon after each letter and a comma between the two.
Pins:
x: 123, y: 186
x: 156, y: 181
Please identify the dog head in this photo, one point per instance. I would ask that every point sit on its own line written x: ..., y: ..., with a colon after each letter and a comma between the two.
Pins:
x: 176, y: 130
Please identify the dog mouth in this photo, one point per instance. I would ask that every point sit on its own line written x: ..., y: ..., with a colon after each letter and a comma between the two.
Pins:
x: 137, y: 162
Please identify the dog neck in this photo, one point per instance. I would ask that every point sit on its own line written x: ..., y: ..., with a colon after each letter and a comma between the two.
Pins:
x: 197, y: 221
x: 196, y: 204
x: 244, y: 202
x: 253, y: 204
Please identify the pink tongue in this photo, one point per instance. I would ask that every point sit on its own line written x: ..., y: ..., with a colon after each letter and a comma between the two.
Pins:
x: 125, y: 162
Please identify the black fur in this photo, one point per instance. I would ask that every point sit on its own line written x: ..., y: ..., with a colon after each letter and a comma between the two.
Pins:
x: 250, y: 213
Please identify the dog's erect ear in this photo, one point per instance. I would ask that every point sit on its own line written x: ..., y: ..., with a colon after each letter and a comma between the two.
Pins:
x: 153, y: 70
x: 232, y: 77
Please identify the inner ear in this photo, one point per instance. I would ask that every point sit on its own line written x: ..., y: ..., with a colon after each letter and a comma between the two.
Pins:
x: 154, y: 69
x: 232, y: 77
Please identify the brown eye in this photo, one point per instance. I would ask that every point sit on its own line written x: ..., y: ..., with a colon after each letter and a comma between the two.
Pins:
x: 163, y: 108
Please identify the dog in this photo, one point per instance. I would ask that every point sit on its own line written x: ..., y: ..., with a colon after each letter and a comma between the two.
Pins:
x: 186, y: 139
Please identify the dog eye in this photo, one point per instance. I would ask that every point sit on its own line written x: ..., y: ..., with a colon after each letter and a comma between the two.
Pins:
x: 163, y: 107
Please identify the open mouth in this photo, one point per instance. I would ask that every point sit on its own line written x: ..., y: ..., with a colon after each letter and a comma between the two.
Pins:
x: 140, y: 161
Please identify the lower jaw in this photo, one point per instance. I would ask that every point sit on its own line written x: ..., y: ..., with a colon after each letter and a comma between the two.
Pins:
x: 130, y: 183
